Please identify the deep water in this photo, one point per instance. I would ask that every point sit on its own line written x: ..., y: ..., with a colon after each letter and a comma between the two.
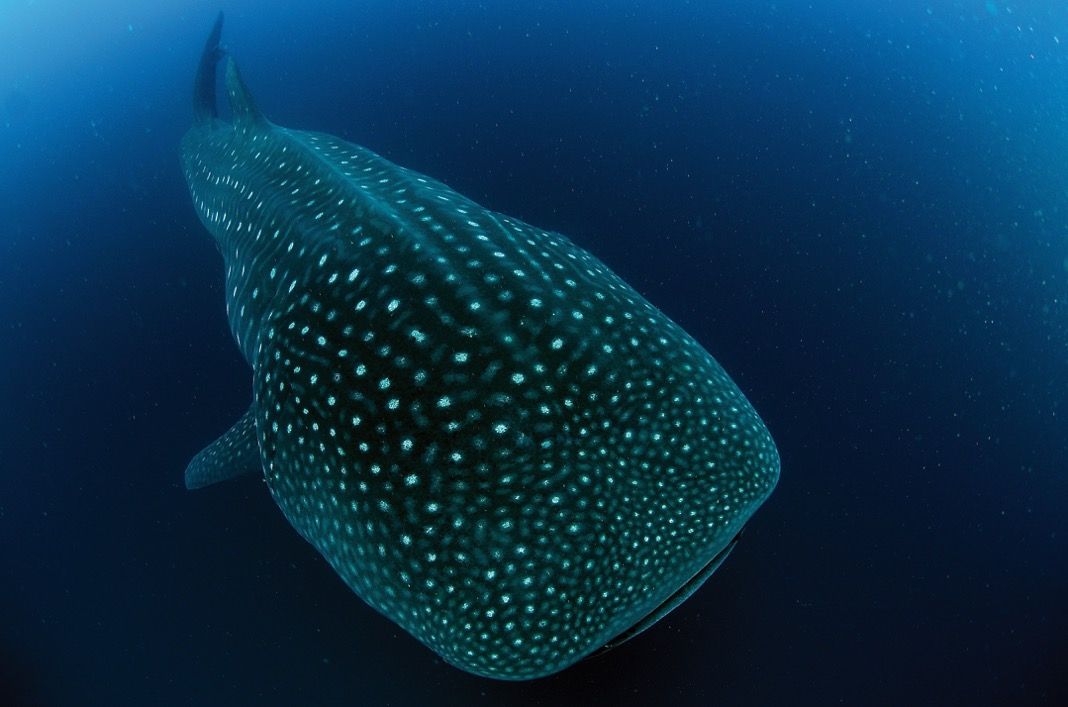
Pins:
x: 860, y: 209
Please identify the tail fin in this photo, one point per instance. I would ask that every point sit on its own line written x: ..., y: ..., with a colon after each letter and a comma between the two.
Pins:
x: 204, y: 107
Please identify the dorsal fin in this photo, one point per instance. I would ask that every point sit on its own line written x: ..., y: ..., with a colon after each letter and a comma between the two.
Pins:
x: 242, y: 104
x: 204, y: 107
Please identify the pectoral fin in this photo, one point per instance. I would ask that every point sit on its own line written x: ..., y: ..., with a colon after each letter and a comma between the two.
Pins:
x: 235, y: 453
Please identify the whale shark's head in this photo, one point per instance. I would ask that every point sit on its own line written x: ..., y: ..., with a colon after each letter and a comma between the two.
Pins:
x: 493, y: 440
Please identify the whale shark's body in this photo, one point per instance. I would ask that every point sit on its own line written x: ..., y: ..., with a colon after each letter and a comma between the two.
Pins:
x: 493, y: 440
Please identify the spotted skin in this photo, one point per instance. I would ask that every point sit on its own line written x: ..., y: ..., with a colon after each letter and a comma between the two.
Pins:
x: 494, y: 441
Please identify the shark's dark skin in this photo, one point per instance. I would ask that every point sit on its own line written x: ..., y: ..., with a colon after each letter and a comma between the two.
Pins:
x: 495, y: 441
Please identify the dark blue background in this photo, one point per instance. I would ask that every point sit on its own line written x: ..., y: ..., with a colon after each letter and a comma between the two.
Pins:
x: 860, y: 208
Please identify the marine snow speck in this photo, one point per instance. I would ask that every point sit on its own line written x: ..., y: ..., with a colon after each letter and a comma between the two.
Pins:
x: 493, y: 440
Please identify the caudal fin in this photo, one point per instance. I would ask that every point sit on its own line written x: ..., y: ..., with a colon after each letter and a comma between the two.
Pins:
x: 204, y: 106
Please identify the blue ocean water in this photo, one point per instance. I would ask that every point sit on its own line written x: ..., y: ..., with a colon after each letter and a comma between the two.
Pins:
x: 860, y: 209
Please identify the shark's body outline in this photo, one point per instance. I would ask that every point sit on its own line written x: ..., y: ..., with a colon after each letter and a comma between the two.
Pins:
x: 493, y: 440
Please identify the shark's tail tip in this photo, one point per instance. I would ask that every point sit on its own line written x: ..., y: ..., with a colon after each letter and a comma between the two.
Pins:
x: 204, y: 106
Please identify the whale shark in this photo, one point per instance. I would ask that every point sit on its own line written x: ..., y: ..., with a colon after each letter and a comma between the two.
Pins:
x: 492, y: 439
